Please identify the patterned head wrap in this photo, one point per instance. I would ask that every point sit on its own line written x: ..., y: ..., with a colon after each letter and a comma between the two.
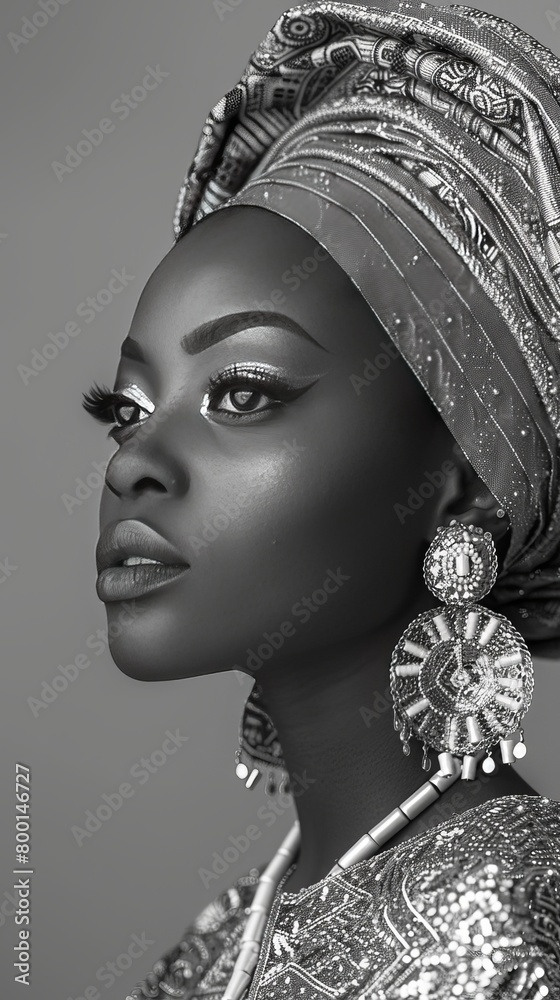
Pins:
x: 420, y: 145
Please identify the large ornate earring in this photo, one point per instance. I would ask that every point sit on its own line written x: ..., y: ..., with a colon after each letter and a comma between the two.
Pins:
x: 461, y: 675
x: 259, y: 748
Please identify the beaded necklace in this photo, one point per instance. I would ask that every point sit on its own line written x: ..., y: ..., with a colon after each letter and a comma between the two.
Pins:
x: 365, y: 847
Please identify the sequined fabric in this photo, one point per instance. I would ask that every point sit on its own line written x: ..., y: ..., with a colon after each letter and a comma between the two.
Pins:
x: 420, y: 145
x: 470, y: 909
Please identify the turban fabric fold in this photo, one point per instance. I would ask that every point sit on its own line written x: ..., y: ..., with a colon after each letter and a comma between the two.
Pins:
x: 420, y: 145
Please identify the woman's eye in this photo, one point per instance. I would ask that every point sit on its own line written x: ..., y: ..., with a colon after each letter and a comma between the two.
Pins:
x: 127, y: 414
x: 242, y: 400
x: 123, y: 409
x: 250, y: 391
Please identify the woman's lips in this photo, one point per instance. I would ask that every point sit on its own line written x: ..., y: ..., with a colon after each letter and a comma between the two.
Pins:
x: 132, y: 541
x: 124, y: 583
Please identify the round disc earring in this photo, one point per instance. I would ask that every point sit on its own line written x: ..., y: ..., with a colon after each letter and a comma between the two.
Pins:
x: 461, y: 675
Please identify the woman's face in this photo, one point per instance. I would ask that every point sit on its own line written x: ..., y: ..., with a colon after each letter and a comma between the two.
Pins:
x: 274, y: 470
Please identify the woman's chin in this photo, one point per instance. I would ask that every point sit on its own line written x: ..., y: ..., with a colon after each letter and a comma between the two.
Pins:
x: 147, y: 653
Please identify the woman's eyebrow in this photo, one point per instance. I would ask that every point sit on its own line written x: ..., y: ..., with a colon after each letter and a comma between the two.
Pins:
x: 215, y: 330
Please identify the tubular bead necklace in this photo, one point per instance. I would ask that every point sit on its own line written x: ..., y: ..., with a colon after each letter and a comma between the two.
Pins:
x: 365, y: 847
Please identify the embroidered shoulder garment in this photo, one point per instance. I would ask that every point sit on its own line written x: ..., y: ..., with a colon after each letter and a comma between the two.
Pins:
x: 469, y: 909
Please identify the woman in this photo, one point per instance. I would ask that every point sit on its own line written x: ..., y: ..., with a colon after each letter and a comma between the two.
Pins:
x: 353, y: 344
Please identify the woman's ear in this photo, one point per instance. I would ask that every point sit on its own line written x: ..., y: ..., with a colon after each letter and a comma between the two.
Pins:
x: 465, y: 497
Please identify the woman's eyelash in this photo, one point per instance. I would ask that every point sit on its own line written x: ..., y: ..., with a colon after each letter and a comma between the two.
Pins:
x: 261, y: 378
x: 99, y: 402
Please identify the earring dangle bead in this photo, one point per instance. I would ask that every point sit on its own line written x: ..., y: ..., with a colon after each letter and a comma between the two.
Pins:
x: 259, y: 749
x: 461, y: 675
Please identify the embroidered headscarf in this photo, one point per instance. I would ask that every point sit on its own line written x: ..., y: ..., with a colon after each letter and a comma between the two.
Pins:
x: 420, y: 145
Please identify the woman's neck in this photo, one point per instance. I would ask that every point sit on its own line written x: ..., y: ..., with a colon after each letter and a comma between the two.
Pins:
x: 334, y: 716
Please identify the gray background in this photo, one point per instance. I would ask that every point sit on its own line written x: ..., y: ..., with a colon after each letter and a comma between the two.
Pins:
x: 59, y: 241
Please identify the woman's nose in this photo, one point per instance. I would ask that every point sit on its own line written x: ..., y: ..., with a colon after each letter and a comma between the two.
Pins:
x: 140, y: 466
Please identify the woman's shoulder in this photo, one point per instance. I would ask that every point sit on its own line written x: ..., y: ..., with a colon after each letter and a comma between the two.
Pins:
x: 515, y: 829
x: 512, y: 830
x: 514, y: 840
x: 520, y: 833
x: 533, y: 814
x: 207, y: 949
x: 481, y: 891
x: 516, y: 833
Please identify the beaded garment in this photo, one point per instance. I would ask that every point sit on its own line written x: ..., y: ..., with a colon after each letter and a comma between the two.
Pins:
x: 469, y: 909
